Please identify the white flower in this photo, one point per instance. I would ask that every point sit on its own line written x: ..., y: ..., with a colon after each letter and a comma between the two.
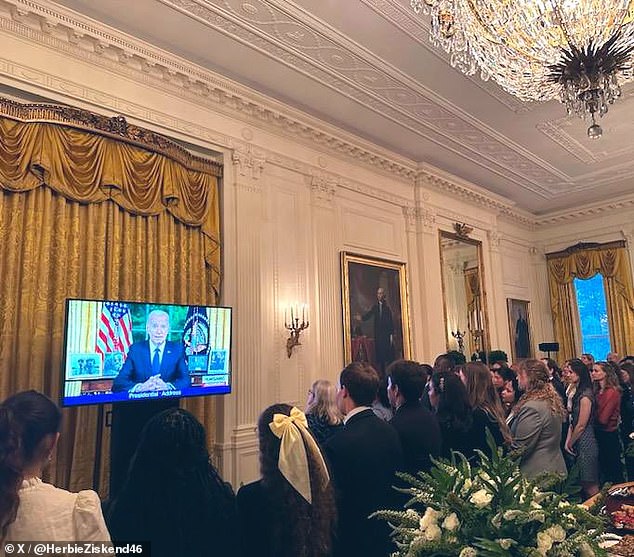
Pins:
x: 535, y: 505
x: 451, y: 522
x: 537, y: 515
x: 511, y: 514
x: 466, y: 486
x: 505, y: 543
x: 433, y: 533
x: 468, y: 552
x: 563, y: 504
x: 429, y: 518
x: 557, y: 533
x: 544, y: 543
x: 481, y: 498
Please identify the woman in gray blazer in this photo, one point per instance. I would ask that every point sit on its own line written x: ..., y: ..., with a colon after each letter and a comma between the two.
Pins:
x: 536, y: 426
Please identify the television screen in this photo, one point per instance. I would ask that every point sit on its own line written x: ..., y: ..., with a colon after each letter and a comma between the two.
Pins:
x: 129, y: 351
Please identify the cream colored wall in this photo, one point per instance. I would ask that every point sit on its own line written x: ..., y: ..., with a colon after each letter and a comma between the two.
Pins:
x: 296, y: 193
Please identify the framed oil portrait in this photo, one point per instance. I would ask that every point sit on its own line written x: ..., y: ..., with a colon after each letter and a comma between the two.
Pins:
x: 375, y: 310
x: 519, y: 329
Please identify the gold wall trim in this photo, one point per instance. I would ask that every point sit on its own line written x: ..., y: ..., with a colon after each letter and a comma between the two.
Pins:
x: 115, y: 127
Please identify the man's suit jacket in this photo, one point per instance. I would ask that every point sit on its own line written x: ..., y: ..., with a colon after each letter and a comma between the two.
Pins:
x: 420, y: 436
x: 364, y: 457
x: 137, y: 367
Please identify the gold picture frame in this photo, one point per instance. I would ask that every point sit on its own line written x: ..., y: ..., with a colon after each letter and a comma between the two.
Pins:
x: 519, y: 329
x: 376, y: 331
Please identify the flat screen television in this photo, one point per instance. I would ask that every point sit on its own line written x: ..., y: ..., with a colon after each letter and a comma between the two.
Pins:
x: 116, y: 351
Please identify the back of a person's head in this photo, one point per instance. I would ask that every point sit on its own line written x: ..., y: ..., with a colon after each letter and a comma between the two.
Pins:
x: 482, y: 393
x: 174, y: 443
x: 26, y: 420
x: 299, y: 527
x: 173, y: 496
x: 444, y: 363
x: 453, y: 400
x: 409, y: 377
x: 362, y: 382
x: 324, y: 403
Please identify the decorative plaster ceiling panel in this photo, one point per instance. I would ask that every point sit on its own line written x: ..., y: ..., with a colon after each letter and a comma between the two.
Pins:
x: 366, y: 66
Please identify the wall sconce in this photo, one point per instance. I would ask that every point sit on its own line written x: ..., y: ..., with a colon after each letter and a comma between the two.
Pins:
x: 295, y: 326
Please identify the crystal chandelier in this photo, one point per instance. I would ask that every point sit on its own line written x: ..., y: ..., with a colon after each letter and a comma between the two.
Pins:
x: 579, y: 51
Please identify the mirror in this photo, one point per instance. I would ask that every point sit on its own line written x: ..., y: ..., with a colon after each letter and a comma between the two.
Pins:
x: 464, y: 298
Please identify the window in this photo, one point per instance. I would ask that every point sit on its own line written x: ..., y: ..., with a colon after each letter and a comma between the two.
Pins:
x: 593, y: 316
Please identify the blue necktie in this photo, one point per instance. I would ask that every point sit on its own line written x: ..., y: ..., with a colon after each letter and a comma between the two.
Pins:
x: 156, y: 364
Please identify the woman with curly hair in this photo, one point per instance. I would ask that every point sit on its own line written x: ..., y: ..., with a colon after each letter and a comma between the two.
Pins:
x: 322, y: 413
x: 536, y: 427
x: 290, y: 511
x: 31, y: 509
x: 173, y: 497
x: 485, y: 403
x: 607, y: 395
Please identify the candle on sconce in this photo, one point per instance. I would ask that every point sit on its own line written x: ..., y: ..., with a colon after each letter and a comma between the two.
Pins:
x: 285, y: 317
x: 303, y: 313
x: 291, y: 314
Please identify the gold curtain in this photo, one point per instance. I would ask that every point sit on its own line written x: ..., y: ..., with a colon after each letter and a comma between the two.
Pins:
x: 612, y: 262
x: 82, y: 215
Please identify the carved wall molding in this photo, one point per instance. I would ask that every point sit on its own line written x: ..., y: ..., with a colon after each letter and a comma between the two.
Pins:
x: 249, y: 161
x: 323, y: 189
x: 588, y: 211
x: 474, y: 197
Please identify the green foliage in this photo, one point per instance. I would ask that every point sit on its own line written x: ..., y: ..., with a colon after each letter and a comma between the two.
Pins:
x: 490, y: 511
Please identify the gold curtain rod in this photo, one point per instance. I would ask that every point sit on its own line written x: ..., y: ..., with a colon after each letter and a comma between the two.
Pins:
x: 585, y: 246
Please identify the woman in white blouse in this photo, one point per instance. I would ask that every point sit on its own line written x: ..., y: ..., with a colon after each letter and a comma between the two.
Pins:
x: 31, y: 510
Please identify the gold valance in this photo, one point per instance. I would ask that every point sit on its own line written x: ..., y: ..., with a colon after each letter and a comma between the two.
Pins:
x: 89, y: 167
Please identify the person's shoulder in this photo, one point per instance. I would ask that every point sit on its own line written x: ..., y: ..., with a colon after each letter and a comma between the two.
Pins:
x: 249, y: 492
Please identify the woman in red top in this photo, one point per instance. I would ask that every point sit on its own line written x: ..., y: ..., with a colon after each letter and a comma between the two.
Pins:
x: 607, y: 393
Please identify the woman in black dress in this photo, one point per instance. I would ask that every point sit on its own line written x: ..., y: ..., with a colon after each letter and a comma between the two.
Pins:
x: 291, y: 511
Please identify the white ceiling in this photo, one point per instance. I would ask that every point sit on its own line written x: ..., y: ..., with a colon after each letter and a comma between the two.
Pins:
x: 368, y: 67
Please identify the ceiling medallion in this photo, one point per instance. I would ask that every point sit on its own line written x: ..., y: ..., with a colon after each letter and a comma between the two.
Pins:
x: 577, y: 51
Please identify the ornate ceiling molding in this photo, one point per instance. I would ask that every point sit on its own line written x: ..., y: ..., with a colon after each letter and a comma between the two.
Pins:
x: 294, y: 37
x: 587, y: 211
x: 417, y: 28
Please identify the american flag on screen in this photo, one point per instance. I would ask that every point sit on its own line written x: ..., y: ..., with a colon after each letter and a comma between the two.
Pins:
x: 114, y: 333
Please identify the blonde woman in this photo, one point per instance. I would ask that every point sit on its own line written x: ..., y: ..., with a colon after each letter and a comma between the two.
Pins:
x: 486, y: 404
x: 536, y: 427
x: 324, y: 418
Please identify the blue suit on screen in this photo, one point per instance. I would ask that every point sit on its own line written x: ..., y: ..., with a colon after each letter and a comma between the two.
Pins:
x: 137, y: 367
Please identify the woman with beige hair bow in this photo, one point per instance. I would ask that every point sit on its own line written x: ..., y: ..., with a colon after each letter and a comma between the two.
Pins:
x: 290, y: 511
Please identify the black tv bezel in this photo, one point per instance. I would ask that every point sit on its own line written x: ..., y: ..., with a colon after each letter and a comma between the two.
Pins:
x: 62, y: 374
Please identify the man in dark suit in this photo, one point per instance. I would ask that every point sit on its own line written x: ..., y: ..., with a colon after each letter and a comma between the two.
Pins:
x: 416, y: 426
x: 156, y: 364
x: 383, y: 331
x: 364, y: 457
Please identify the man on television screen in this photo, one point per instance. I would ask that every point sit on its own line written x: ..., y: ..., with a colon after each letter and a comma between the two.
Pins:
x: 156, y: 364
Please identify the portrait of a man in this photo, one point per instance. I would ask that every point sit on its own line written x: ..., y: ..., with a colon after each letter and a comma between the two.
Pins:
x: 375, y: 311
x: 519, y: 329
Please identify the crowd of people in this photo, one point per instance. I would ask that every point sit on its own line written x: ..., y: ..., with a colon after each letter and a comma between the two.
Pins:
x: 326, y: 470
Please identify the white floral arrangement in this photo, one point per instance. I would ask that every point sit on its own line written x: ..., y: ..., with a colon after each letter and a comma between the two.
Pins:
x: 457, y: 510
